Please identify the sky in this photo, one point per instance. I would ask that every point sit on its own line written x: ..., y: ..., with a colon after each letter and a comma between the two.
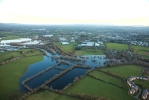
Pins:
x: 104, y: 12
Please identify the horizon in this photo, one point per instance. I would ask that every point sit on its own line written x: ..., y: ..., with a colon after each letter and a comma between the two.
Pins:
x: 69, y: 24
x: 66, y: 12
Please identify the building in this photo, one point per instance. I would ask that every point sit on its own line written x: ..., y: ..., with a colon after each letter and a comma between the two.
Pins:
x: 47, y: 35
x: 87, y: 44
x: 132, y: 78
x: 62, y: 39
x: 134, y: 88
x: 20, y: 40
x: 31, y: 43
x: 145, y: 94
x: 97, y: 44
x: 64, y: 43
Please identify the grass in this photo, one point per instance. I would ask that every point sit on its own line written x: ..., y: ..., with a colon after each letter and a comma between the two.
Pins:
x: 84, y: 52
x: 9, y: 54
x: 36, y: 52
x: 125, y: 71
x: 10, y: 75
x: 101, y: 44
x: 143, y: 83
x: 140, y: 48
x: 11, y: 37
x: 106, y: 77
x: 143, y: 52
x: 67, y: 48
x: 47, y: 95
x: 92, y: 86
x: 117, y: 46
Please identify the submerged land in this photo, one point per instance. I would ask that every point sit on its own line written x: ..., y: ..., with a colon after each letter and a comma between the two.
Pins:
x: 124, y: 50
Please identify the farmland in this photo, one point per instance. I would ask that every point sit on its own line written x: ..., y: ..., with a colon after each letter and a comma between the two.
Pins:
x: 88, y: 85
x: 47, y: 95
x: 143, y: 84
x: 140, y: 48
x: 125, y: 71
x: 117, y: 46
x: 67, y: 48
x: 106, y: 77
x: 10, y: 74
x: 27, y: 52
x: 85, y: 52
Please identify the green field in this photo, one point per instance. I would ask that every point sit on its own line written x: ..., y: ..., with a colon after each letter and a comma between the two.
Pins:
x: 143, y: 83
x: 47, y: 95
x: 11, y: 37
x: 10, y: 75
x: 106, y: 77
x: 67, y: 48
x: 125, y: 71
x: 92, y: 86
x: 143, y: 52
x: 117, y: 46
x: 85, y: 52
x: 9, y: 54
x: 140, y: 48
x: 6, y: 56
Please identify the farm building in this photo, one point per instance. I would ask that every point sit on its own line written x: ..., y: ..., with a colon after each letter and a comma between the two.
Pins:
x: 64, y: 43
x: 20, y: 40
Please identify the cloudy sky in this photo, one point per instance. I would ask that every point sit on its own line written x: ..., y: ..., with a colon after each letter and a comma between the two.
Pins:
x: 111, y: 12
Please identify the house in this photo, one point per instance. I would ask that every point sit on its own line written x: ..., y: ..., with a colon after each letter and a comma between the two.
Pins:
x: 144, y: 78
x: 134, y: 89
x: 145, y: 94
x: 129, y: 83
x: 132, y: 78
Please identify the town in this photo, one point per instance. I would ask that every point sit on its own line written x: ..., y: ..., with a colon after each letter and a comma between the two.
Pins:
x: 74, y: 62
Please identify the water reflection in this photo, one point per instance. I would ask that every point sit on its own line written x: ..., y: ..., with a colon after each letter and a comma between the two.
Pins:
x: 91, y: 60
x: 64, y: 80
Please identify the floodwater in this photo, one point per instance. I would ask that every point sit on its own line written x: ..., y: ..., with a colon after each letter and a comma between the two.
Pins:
x: 65, y: 79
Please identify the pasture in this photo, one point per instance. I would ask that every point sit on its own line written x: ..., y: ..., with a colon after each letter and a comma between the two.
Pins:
x: 10, y: 54
x: 12, y: 37
x: 67, y: 48
x: 89, y: 85
x: 117, y: 46
x: 144, y: 84
x: 106, y: 77
x: 140, y: 48
x: 47, y: 95
x: 85, y: 52
x: 125, y: 71
x: 10, y: 75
